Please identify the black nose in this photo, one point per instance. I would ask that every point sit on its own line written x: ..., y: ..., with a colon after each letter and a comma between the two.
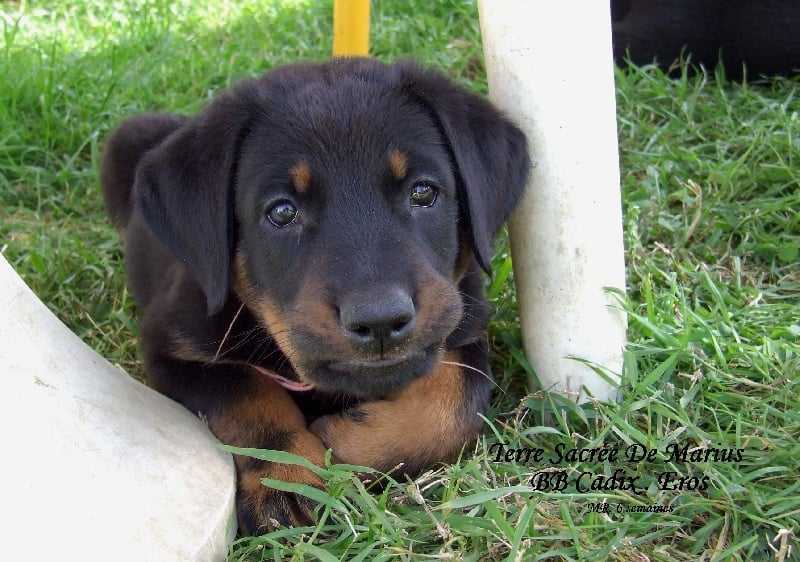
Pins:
x: 378, y: 321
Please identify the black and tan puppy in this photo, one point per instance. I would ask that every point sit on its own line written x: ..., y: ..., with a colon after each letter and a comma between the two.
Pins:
x: 306, y: 257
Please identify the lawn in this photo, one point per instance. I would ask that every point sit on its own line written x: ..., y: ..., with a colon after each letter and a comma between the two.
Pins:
x: 711, y: 193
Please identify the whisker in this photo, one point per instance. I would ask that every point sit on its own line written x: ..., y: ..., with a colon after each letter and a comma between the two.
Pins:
x: 238, y: 339
x: 473, y: 298
x: 471, y: 368
x: 230, y: 327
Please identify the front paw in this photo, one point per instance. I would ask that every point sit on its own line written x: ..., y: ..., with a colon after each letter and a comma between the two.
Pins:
x: 374, y: 434
x: 427, y: 422
x: 261, y: 509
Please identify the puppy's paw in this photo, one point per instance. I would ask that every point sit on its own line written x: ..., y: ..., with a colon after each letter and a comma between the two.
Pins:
x: 427, y: 422
x: 372, y: 434
x: 261, y: 509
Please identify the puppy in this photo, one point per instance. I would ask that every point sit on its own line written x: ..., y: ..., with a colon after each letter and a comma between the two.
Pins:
x: 306, y: 257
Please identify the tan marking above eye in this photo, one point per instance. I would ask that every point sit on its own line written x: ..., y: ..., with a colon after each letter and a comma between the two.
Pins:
x: 398, y: 164
x: 301, y: 176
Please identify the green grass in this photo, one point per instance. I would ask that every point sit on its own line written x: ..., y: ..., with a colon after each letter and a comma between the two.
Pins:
x: 711, y: 192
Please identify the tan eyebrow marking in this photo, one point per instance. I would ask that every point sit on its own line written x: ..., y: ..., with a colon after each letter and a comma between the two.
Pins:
x: 398, y: 164
x: 301, y: 176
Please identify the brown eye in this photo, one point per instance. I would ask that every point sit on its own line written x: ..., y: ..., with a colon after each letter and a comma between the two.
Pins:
x: 282, y: 213
x: 423, y: 195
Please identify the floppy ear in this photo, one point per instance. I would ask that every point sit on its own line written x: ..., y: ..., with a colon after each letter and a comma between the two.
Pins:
x: 184, y: 190
x: 489, y: 152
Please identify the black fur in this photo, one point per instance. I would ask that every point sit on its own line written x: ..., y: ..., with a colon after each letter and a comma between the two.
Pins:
x: 760, y: 36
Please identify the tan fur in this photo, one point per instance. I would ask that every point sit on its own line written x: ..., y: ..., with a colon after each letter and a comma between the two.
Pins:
x: 398, y: 164
x: 301, y: 176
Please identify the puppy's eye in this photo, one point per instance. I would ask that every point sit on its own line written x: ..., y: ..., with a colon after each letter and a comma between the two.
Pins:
x: 423, y: 195
x: 282, y: 213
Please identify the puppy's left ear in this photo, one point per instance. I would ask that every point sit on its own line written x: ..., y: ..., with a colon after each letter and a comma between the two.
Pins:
x: 488, y: 150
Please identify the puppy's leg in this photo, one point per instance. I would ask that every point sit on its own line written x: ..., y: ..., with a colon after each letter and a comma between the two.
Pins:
x: 250, y: 410
x: 269, y: 419
x: 430, y: 421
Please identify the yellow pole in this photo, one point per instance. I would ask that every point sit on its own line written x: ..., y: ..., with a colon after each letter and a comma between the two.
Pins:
x: 350, y: 28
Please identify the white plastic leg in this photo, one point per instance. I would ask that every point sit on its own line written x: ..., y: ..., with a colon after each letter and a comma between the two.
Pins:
x: 550, y: 68
x: 96, y: 465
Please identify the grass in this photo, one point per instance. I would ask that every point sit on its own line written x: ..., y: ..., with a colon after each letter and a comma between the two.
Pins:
x: 711, y: 192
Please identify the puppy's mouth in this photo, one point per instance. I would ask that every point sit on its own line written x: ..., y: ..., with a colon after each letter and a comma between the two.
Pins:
x: 373, y: 378
x: 378, y: 364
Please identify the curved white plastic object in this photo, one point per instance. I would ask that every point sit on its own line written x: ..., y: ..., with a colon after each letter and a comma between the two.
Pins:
x: 550, y: 68
x: 98, y: 466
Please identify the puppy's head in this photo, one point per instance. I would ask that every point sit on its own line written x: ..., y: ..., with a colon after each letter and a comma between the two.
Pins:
x: 343, y: 202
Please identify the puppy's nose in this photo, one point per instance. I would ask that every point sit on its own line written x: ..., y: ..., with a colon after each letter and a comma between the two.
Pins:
x: 378, y: 321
